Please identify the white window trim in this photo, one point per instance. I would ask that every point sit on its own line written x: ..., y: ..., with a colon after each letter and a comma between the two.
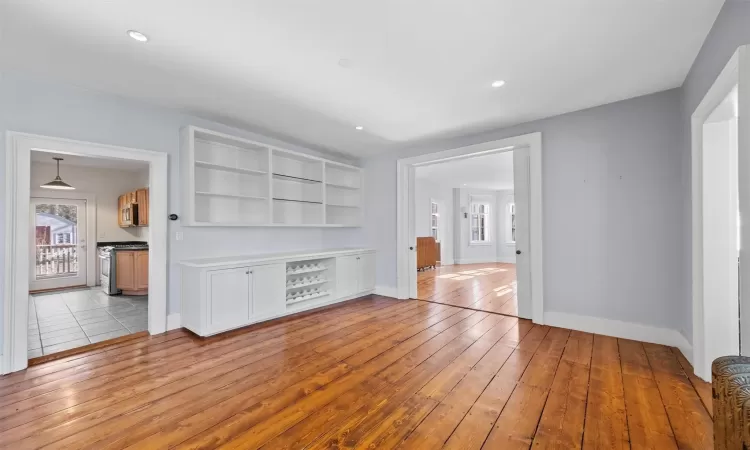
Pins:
x: 509, y: 207
x: 487, y: 202
x: 437, y: 219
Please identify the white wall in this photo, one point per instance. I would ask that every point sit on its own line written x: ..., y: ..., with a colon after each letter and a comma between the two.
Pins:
x: 613, y: 209
x: 466, y: 253
x: 427, y: 191
x: 107, y: 185
x: 730, y: 31
x: 52, y: 109
x: 506, y: 251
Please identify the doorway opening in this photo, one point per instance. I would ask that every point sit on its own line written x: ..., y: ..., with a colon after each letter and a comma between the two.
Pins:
x: 720, y: 199
x: 488, y: 238
x: 88, y: 278
x: 466, y: 227
x: 55, y: 237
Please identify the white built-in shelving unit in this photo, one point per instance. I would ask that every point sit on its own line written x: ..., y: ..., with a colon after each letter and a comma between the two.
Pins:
x: 231, y: 181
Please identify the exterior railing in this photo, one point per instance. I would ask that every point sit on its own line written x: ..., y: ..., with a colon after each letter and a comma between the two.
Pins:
x: 56, y: 260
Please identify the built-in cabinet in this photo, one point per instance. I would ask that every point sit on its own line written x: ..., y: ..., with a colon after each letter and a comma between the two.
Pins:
x: 133, y: 208
x: 132, y: 271
x: 230, y: 181
x: 220, y: 294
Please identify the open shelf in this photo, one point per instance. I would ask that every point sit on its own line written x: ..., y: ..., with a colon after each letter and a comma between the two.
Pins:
x: 216, y: 194
x: 298, y: 201
x: 232, y: 181
x: 298, y: 179
x: 213, y: 166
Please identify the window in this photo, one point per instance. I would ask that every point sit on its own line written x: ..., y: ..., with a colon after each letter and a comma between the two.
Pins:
x: 479, y: 225
x: 434, y: 215
x: 63, y: 238
x: 511, y: 223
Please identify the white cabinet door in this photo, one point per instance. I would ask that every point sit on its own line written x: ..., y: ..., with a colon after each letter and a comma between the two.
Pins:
x: 347, y: 276
x: 269, y: 290
x: 366, y: 268
x: 229, y: 298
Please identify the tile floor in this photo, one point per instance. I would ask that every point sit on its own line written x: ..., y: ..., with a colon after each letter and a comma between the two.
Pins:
x: 63, y: 320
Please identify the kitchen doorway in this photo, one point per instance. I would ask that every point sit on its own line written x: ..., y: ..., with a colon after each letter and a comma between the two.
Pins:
x: 17, y: 323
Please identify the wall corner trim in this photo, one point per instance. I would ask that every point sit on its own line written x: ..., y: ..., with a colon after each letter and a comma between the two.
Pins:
x: 620, y: 329
x: 174, y: 321
x: 386, y: 291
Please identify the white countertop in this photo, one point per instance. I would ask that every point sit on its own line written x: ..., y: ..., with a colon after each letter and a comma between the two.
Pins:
x: 271, y: 257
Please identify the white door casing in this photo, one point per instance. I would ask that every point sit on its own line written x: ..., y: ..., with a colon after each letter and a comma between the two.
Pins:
x: 406, y: 258
x: 521, y: 191
x: 743, y: 156
x: 38, y: 282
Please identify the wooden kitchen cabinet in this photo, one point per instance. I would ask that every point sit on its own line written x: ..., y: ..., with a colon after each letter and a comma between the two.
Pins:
x: 141, y: 197
x: 126, y: 216
x: 132, y: 271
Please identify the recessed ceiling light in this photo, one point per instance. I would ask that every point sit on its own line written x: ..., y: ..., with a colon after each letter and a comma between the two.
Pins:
x: 360, y: 127
x: 498, y: 83
x: 138, y: 36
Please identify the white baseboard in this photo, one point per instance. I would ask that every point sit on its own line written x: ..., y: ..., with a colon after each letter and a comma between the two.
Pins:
x: 386, y: 291
x: 475, y: 261
x: 620, y: 329
x: 174, y: 321
x: 506, y: 259
x: 447, y: 262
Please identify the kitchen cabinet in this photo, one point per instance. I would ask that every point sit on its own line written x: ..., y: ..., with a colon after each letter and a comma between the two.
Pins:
x: 133, y: 208
x: 220, y: 294
x: 132, y: 271
x: 229, y: 302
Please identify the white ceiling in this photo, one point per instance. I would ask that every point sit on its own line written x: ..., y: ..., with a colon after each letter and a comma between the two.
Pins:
x: 416, y: 69
x: 494, y: 171
x: 85, y: 161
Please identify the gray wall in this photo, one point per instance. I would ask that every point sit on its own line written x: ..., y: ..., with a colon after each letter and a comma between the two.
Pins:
x: 613, y: 209
x: 35, y: 106
x: 731, y: 30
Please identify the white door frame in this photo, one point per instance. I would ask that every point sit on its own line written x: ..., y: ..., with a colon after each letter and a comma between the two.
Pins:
x: 406, y: 260
x: 17, y: 194
x: 91, y: 259
x: 725, y: 82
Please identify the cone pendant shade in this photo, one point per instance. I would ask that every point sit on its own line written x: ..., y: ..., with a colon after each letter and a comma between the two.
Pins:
x: 57, y: 183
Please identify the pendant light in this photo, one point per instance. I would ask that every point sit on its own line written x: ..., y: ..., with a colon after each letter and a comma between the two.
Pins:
x: 57, y: 183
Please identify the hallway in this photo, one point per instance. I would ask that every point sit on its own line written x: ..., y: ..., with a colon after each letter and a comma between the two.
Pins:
x: 487, y: 287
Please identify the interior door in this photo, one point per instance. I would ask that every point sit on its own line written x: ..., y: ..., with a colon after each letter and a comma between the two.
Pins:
x: 522, y: 187
x: 58, y: 243
x: 229, y: 298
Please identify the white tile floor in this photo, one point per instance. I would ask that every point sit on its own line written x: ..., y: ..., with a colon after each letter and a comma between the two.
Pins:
x: 63, y: 320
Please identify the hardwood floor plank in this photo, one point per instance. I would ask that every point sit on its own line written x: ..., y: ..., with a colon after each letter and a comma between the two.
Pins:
x: 174, y: 381
x: 487, y: 287
x: 252, y: 432
x: 478, y: 422
x: 689, y: 420
x: 606, y: 421
x: 371, y: 373
x: 701, y: 387
x: 90, y: 389
x: 648, y: 423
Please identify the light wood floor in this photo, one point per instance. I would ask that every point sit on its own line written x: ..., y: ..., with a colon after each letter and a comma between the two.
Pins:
x: 371, y: 373
x: 485, y: 287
